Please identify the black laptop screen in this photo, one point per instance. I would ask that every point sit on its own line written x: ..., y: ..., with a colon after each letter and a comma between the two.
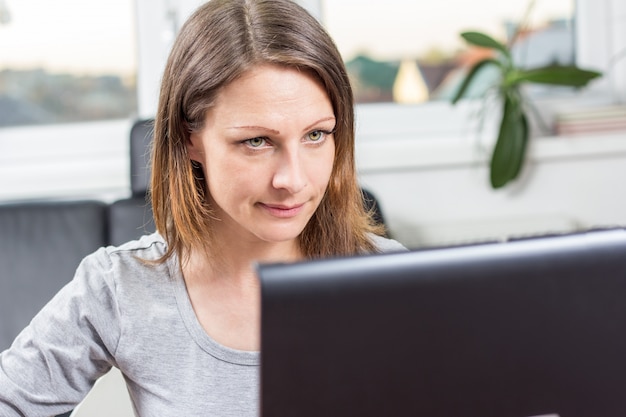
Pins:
x: 517, y: 329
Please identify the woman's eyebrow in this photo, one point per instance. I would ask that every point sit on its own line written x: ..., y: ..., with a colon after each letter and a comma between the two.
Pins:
x: 253, y: 127
x: 277, y: 132
x: 323, y: 119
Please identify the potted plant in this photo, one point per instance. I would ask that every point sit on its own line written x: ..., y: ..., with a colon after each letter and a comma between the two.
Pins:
x: 510, y: 147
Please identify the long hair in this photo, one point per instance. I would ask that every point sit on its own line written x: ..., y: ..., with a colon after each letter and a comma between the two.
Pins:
x: 218, y: 43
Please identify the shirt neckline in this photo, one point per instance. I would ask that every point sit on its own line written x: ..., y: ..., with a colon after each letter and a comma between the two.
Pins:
x: 195, y: 329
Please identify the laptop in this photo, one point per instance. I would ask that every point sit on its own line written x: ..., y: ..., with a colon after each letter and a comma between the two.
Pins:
x: 532, y: 327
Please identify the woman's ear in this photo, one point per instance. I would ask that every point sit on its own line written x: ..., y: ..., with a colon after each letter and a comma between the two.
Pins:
x: 194, y: 147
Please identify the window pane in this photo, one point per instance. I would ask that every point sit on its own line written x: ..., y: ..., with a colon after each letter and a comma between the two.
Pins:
x: 411, y: 52
x: 66, y: 61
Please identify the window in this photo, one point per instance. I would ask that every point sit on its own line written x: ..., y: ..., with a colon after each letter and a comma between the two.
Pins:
x: 56, y: 159
x: 412, y: 52
x: 66, y: 61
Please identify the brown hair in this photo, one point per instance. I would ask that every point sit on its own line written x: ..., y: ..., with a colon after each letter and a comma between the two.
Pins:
x: 218, y: 43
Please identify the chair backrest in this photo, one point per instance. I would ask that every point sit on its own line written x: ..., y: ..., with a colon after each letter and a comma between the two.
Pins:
x: 370, y: 202
x: 41, y: 244
x: 141, y: 135
x: 132, y: 217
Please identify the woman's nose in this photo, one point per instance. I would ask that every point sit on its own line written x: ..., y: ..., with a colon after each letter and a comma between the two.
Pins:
x: 290, y: 174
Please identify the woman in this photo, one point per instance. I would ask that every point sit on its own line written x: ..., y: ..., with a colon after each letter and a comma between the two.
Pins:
x: 253, y: 161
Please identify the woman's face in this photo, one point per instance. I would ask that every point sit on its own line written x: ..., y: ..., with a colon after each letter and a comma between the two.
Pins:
x: 267, y: 150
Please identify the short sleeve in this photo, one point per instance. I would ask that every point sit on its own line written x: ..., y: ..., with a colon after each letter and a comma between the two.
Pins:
x: 71, y: 342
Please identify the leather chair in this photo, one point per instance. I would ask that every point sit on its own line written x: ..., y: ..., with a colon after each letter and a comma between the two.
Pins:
x: 41, y: 244
x: 132, y: 217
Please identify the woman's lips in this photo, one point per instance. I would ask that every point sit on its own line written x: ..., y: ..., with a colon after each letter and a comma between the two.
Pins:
x: 282, y: 211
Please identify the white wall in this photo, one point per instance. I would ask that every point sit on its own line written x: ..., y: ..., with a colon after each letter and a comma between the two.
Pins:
x: 568, y: 184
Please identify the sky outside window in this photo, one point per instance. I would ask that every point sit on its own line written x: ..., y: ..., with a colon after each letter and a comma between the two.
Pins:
x: 392, y: 29
x: 82, y: 36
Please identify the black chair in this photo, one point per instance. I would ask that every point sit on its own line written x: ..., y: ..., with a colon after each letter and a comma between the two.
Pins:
x: 41, y: 244
x: 370, y: 202
x: 132, y: 217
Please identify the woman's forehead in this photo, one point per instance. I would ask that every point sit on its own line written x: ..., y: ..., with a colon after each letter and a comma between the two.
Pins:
x: 271, y: 92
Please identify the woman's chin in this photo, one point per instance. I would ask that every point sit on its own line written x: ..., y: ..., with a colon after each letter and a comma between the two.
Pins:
x: 279, y: 236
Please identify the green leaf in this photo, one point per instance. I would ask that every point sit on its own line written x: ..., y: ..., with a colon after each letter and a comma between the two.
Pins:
x: 518, y: 161
x: 508, y: 154
x: 555, y: 74
x: 470, y: 75
x: 485, y: 41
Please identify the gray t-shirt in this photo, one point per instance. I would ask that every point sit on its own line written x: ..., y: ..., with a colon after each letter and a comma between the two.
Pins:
x: 123, y: 312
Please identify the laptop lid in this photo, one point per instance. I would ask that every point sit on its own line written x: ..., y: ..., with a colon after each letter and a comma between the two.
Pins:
x: 517, y: 329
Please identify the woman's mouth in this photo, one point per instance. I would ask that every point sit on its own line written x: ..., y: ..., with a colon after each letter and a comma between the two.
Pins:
x: 282, y: 211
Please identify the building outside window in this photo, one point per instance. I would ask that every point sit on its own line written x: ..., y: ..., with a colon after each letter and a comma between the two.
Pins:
x: 66, y: 61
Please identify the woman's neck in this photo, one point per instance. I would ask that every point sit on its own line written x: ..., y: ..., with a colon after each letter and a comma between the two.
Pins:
x: 225, y: 291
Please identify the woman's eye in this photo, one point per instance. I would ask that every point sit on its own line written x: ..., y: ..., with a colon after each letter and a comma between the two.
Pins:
x: 316, y: 135
x: 256, y: 142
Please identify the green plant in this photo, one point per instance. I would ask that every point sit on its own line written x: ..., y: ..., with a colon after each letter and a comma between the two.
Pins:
x: 510, y: 148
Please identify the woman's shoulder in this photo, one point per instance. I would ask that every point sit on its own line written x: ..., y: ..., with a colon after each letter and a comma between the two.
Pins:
x: 384, y: 244
x: 151, y: 245
x: 127, y: 273
x: 132, y: 259
x: 138, y: 257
